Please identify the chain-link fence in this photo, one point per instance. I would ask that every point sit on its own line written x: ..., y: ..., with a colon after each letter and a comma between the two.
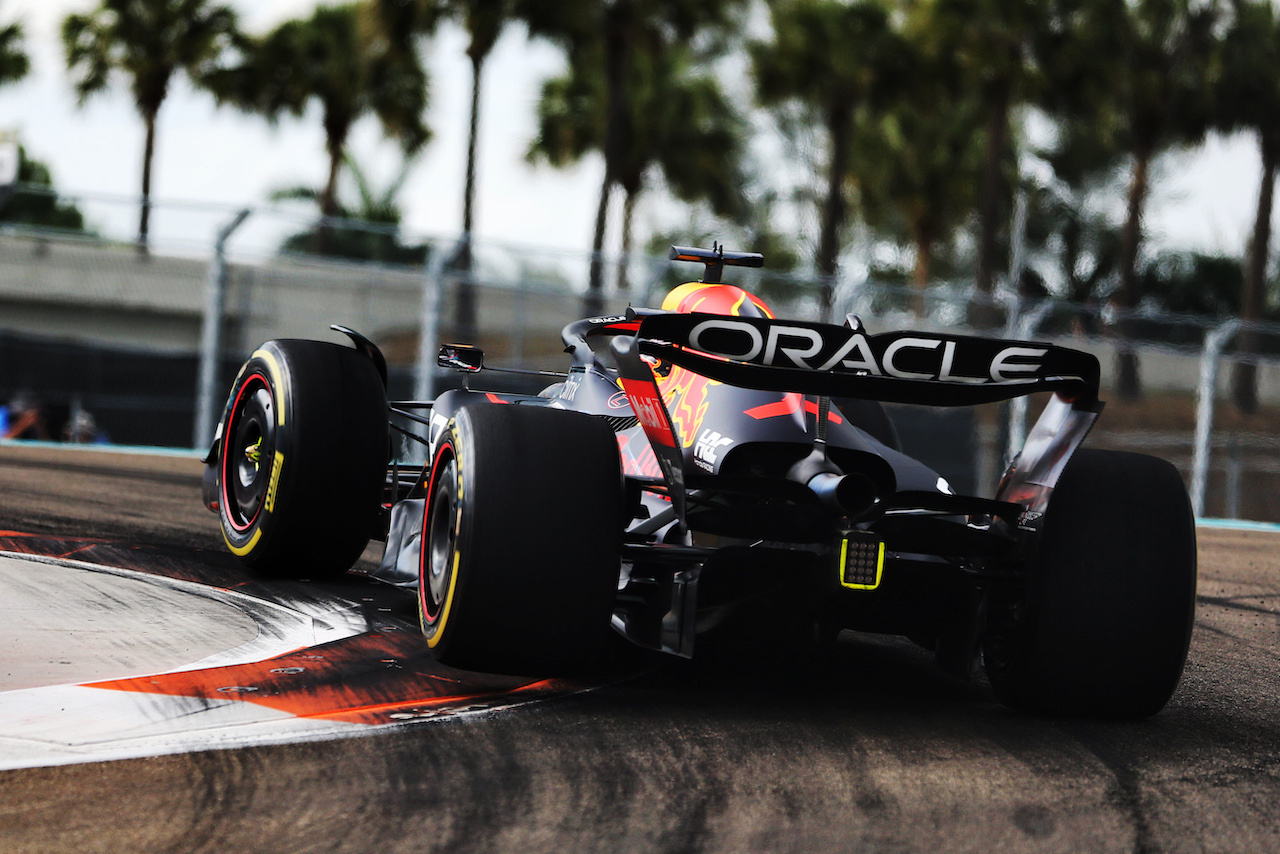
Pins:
x: 102, y: 340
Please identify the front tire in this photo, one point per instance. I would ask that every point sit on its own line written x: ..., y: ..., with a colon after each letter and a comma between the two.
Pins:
x: 1103, y: 627
x: 521, y: 540
x: 303, y: 457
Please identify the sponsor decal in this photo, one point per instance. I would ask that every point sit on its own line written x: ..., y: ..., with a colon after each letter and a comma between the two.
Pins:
x: 707, y: 450
x: 619, y: 401
x: 648, y: 408
x: 915, y: 357
x: 1029, y: 520
x: 570, y: 388
x: 613, y: 318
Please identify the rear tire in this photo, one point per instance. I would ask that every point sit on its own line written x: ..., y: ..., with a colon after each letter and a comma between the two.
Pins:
x: 521, y: 540
x: 1105, y: 622
x: 303, y: 457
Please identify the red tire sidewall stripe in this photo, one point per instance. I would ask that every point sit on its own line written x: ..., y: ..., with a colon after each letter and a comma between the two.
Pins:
x: 423, y: 584
x: 226, y: 454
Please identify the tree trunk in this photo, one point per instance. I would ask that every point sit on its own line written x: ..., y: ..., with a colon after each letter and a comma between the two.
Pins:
x: 148, y: 154
x: 985, y: 315
x: 329, y: 198
x: 1244, y: 379
x: 620, y: 27
x: 465, y: 321
x: 924, y: 260
x: 839, y: 129
x: 1128, y: 382
x: 624, y: 263
x: 1072, y: 234
x: 473, y: 133
x: 593, y: 301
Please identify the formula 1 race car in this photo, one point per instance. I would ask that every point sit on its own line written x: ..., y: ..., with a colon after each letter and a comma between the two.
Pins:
x: 707, y: 463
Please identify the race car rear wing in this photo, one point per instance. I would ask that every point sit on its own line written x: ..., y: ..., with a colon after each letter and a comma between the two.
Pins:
x: 901, y: 367
x: 897, y: 367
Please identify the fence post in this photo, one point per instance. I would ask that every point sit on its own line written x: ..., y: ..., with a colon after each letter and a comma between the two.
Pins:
x: 1235, y: 472
x: 424, y: 379
x: 1214, y: 343
x: 215, y: 284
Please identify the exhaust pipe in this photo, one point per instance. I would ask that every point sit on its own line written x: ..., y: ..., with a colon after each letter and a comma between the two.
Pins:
x: 845, y: 494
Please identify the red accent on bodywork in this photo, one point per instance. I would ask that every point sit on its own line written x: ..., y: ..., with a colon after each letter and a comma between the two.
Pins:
x: 789, y: 405
x: 712, y: 298
x: 686, y: 396
x: 648, y: 407
x: 493, y: 398
x: 641, y: 462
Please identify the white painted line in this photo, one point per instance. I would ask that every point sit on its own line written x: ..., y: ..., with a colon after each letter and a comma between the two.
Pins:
x: 63, y: 724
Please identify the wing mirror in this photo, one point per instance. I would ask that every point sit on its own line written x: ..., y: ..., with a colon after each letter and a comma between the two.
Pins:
x: 461, y: 357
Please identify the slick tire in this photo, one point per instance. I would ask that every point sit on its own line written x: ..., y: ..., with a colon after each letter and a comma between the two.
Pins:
x: 521, y: 540
x: 303, y: 457
x: 1105, y: 622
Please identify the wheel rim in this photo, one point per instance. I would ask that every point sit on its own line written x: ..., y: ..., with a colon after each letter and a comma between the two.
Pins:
x: 438, y: 563
x: 250, y: 452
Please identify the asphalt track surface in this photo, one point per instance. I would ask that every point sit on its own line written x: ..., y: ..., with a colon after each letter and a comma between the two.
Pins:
x: 871, y: 750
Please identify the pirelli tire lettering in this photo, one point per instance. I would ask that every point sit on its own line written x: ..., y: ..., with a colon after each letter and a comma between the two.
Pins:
x: 252, y: 458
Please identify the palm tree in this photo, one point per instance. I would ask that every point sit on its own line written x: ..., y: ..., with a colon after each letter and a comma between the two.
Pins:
x: 989, y: 47
x: 148, y: 41
x: 1250, y: 98
x: 341, y: 59
x: 1144, y: 71
x: 43, y: 210
x: 683, y: 127
x: 920, y: 167
x: 14, y: 66
x: 14, y: 63
x: 484, y: 21
x: 836, y: 59
x: 605, y: 37
x: 371, y: 231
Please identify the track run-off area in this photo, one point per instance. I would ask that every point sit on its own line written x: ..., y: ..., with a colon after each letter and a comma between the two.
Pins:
x: 156, y: 697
